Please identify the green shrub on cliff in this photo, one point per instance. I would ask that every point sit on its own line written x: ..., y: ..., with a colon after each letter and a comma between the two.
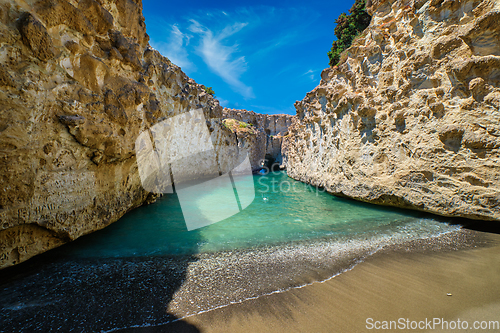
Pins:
x: 210, y: 91
x: 348, y: 27
x: 237, y: 126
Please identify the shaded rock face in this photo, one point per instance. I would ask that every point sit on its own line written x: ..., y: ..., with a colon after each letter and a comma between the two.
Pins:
x: 412, y: 117
x: 264, y: 142
x: 79, y: 83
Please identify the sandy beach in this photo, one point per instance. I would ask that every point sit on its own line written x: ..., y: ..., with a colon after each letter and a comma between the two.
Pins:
x: 392, y: 285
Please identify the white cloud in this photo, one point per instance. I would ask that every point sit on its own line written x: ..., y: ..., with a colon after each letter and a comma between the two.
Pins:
x: 310, y: 74
x: 220, y: 58
x: 175, y: 49
x: 223, y: 102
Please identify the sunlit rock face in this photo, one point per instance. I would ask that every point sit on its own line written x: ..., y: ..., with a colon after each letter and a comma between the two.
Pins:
x: 79, y: 83
x: 411, y: 118
x: 264, y: 141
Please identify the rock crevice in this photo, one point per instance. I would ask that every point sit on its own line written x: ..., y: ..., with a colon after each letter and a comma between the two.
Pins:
x: 260, y: 136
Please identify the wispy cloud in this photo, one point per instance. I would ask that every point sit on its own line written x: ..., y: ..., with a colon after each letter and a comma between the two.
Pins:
x: 222, y: 59
x: 223, y: 102
x: 240, y: 51
x: 175, y: 48
x: 309, y: 73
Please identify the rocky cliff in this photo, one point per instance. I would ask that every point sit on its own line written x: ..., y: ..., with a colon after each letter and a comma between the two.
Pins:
x: 79, y: 83
x: 261, y: 135
x: 411, y: 118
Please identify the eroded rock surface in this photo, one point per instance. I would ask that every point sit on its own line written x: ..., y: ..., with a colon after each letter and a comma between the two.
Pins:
x: 79, y: 83
x: 412, y: 117
x: 264, y: 140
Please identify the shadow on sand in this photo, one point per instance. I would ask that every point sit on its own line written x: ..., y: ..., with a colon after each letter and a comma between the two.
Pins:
x: 60, y: 292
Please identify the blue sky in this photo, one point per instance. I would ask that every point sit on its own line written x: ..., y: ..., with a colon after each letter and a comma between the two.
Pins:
x: 258, y: 55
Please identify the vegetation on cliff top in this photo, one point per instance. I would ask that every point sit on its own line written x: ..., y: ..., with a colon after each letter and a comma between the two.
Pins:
x: 209, y: 91
x: 237, y: 126
x: 348, y: 27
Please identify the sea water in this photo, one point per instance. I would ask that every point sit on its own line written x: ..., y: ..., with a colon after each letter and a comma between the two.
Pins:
x: 283, y: 211
x: 147, y: 269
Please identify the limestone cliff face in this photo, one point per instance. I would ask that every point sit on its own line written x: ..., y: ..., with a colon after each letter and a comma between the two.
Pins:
x: 264, y: 142
x: 412, y: 117
x: 79, y: 83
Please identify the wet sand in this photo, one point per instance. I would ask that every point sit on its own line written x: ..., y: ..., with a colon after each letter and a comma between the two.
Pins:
x: 449, y: 285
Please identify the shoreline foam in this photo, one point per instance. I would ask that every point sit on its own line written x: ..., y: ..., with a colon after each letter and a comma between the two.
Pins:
x: 397, y: 282
x: 154, y: 292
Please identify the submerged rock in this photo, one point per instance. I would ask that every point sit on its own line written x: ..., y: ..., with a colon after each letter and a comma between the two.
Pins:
x: 411, y: 118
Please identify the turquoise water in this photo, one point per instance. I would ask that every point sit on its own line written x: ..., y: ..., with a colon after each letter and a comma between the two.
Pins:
x: 283, y: 211
x: 147, y: 269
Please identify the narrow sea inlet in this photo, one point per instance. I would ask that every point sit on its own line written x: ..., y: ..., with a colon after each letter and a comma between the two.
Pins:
x: 283, y: 211
x: 147, y: 269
